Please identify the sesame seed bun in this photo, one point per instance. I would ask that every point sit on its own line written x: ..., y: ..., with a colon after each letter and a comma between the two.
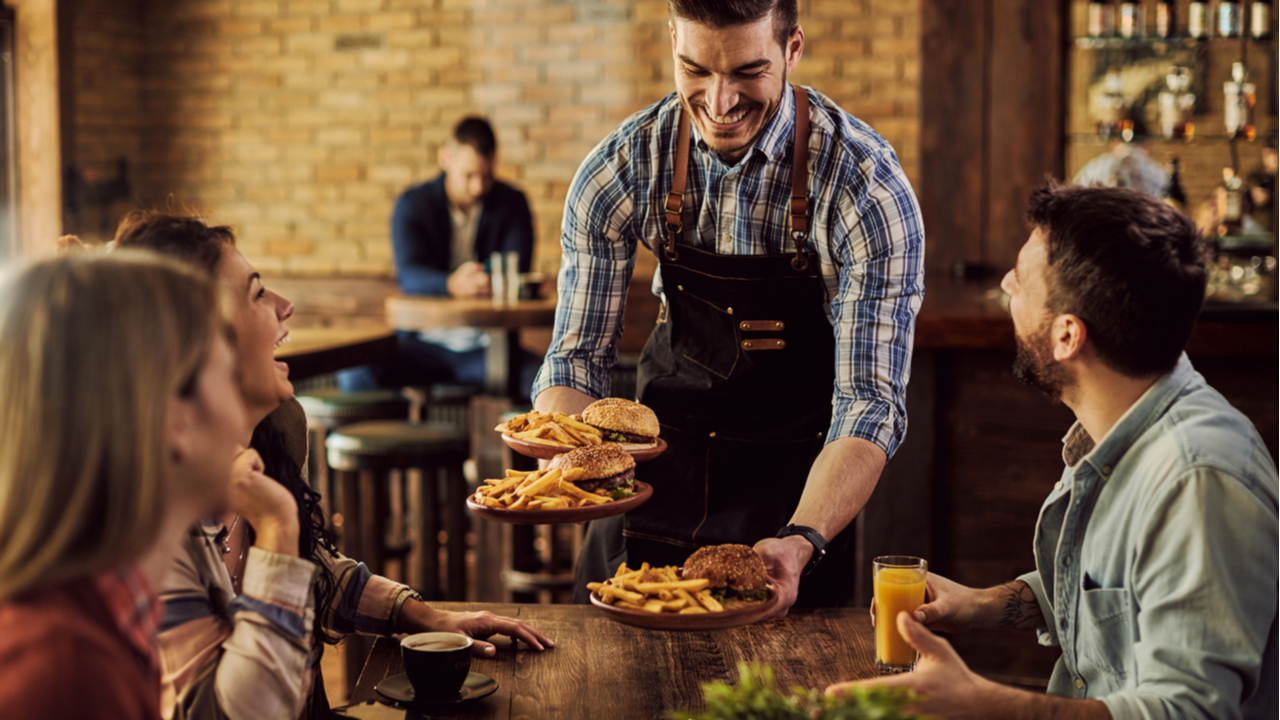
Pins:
x: 596, y: 461
x: 623, y: 416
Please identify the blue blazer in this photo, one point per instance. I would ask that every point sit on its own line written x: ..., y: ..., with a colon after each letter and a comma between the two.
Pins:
x: 422, y: 234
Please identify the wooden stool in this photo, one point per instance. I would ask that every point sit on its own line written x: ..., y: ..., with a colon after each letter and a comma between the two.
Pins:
x: 329, y: 409
x: 364, y: 455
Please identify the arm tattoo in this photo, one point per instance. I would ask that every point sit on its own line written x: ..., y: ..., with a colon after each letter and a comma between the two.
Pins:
x: 1021, y: 609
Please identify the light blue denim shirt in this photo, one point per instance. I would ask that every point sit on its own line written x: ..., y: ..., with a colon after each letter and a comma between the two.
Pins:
x: 1156, y: 560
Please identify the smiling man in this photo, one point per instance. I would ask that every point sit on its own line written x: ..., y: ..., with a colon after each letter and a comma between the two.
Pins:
x: 1156, y: 551
x: 790, y: 251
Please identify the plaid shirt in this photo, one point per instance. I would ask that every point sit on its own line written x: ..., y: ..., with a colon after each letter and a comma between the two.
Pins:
x: 865, y: 226
x: 136, y: 609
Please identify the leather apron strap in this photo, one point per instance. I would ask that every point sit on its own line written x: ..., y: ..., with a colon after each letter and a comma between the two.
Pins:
x: 674, y: 204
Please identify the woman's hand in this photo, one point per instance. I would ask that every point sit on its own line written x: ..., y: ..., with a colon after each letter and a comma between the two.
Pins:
x: 265, y: 504
x: 418, y: 617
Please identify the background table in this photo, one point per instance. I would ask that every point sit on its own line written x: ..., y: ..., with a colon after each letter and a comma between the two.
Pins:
x: 603, y: 669
x: 502, y: 323
x: 317, y: 351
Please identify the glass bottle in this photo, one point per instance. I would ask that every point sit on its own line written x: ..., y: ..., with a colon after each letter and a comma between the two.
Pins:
x: 1260, y: 19
x: 1198, y: 20
x: 1176, y: 196
x: 1229, y: 18
x: 1230, y: 197
x: 1176, y: 105
x: 1133, y: 19
x: 1166, y: 19
x: 1113, y: 106
x: 1240, y: 97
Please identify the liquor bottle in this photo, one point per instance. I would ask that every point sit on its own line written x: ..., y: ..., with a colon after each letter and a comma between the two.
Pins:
x: 1176, y: 105
x: 1176, y: 196
x: 1240, y: 97
x: 1198, y: 20
x: 1113, y: 106
x: 1230, y: 197
x: 1166, y: 19
x: 1133, y: 19
x: 1260, y: 19
x: 1102, y: 18
x: 1229, y: 18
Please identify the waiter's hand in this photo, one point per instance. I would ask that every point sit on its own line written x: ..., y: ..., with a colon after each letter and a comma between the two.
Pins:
x: 785, y: 559
x: 469, y: 281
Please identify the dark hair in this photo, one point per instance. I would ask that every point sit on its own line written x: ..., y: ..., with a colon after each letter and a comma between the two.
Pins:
x: 727, y: 13
x: 179, y: 236
x: 478, y: 133
x: 189, y: 239
x: 1128, y: 265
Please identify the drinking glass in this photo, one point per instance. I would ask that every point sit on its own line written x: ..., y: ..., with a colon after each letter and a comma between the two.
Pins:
x: 899, y: 587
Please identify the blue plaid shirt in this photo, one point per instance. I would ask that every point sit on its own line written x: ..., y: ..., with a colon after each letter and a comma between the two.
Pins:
x: 865, y: 226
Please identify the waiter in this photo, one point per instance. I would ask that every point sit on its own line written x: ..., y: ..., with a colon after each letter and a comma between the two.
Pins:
x: 790, y: 254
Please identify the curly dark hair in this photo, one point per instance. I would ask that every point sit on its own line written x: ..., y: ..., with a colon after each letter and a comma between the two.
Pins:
x: 189, y: 239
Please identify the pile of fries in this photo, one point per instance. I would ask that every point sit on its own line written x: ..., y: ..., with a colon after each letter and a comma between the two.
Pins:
x: 554, y: 428
x: 537, y: 490
x: 656, y: 590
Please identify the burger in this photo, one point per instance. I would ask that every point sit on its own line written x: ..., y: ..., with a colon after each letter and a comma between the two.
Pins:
x: 736, y: 574
x: 628, y: 423
x: 607, y: 469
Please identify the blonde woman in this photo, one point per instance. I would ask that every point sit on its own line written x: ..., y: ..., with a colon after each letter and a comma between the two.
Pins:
x: 118, y: 422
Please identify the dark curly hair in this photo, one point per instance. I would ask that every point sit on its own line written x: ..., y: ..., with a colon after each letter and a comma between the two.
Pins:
x: 189, y: 239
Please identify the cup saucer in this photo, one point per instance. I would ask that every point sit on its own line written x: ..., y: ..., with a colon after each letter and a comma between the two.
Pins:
x: 399, y: 689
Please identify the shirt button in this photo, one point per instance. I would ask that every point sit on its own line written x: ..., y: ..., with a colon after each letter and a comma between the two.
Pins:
x: 1066, y: 560
x: 1057, y: 487
x: 726, y: 238
x: 1062, y: 623
x: 1079, y: 683
x: 1106, y: 469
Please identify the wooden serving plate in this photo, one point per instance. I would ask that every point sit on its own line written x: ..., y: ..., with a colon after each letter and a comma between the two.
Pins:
x: 701, y: 621
x: 546, y: 452
x: 569, y: 515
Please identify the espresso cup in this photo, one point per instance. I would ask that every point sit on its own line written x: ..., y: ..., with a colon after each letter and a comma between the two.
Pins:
x: 437, y: 663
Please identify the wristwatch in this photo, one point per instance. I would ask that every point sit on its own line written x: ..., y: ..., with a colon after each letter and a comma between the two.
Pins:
x: 814, y: 537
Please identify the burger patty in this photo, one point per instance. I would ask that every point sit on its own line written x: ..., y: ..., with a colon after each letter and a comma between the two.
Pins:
x: 625, y: 477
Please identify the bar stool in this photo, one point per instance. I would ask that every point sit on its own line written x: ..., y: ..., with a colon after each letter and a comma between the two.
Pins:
x: 437, y: 451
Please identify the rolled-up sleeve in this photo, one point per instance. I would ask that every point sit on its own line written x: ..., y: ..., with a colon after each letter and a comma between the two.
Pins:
x: 1201, y: 631
x: 598, y: 247
x: 878, y: 244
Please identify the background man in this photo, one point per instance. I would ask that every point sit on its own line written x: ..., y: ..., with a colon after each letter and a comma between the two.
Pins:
x: 1156, y: 552
x: 443, y: 232
x: 780, y: 358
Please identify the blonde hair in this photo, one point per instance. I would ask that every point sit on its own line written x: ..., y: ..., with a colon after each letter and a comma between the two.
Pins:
x: 92, y: 349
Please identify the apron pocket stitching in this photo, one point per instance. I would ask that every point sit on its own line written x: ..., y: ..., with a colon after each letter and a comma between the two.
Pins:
x: 713, y: 372
x: 657, y: 538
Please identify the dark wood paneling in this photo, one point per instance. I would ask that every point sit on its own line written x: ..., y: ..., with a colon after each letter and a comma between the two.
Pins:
x: 1025, y: 116
x: 952, y: 132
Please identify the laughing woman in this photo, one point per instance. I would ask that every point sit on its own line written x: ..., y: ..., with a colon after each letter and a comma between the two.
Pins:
x: 118, y: 422
x: 240, y: 637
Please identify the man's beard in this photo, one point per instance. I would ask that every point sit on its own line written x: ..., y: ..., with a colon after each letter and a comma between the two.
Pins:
x: 1034, y: 365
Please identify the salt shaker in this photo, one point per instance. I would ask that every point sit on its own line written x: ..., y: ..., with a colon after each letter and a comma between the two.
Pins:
x: 497, y: 278
x: 513, y: 277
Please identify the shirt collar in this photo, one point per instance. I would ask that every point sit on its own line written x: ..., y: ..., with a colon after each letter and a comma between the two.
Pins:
x: 776, y: 138
x: 134, y: 607
x: 1077, y: 445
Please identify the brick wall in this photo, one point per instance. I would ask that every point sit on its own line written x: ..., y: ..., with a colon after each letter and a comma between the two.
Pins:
x: 300, y: 121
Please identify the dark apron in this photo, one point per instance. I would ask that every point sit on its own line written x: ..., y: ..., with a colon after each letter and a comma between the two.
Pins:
x: 740, y: 370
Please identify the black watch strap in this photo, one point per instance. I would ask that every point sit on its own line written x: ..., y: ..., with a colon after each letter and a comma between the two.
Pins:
x: 814, y: 537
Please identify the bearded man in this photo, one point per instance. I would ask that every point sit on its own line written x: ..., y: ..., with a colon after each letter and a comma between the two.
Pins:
x: 1156, y: 552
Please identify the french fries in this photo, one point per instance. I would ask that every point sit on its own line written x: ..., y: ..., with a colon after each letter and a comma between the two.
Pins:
x: 538, y: 490
x: 554, y: 428
x: 656, y: 590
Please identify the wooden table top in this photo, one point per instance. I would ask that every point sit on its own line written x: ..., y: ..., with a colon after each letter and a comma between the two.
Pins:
x: 417, y: 312
x: 316, y: 351
x: 603, y: 669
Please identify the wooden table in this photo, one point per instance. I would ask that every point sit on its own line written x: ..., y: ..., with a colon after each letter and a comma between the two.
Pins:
x: 317, y: 351
x: 502, y: 323
x: 603, y: 669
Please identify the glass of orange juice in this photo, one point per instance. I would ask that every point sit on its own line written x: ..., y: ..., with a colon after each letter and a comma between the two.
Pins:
x: 899, y: 587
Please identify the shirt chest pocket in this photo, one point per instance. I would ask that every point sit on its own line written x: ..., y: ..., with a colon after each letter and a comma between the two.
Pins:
x: 1105, y: 639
